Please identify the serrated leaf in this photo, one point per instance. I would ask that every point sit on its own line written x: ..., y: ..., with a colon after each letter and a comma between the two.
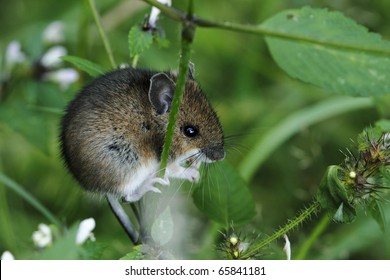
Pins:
x: 85, y: 65
x: 93, y: 250
x: 225, y: 197
x: 139, y: 40
x: 333, y: 197
x: 329, y: 50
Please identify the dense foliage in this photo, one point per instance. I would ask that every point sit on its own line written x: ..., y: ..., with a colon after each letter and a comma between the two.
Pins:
x: 290, y: 96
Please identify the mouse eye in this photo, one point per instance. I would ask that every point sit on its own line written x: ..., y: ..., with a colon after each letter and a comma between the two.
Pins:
x: 190, y: 131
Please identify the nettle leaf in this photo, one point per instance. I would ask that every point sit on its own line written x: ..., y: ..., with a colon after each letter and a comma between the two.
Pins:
x: 93, y: 250
x: 333, y: 197
x: 64, y: 248
x: 329, y: 50
x: 136, y: 254
x: 378, y: 214
x: 85, y: 65
x: 225, y: 197
x: 139, y: 40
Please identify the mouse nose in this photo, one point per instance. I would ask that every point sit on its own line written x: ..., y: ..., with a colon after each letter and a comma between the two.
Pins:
x: 215, y: 153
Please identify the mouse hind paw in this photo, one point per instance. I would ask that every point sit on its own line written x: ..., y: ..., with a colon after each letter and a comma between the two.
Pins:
x: 135, y: 196
x: 148, y: 186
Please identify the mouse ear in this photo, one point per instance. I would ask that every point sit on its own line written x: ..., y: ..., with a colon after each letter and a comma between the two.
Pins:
x: 161, y: 92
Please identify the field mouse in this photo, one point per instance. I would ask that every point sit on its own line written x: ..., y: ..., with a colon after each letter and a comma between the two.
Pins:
x: 113, y: 133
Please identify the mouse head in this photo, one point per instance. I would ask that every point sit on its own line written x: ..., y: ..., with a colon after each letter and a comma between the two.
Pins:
x: 198, y: 133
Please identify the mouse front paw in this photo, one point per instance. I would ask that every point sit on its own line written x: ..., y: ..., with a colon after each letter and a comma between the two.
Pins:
x: 190, y: 173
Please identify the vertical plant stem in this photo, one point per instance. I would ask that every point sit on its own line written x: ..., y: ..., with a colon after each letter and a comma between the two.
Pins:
x: 30, y: 199
x: 102, y: 34
x: 150, y: 207
x: 188, y: 33
x: 291, y: 225
x: 319, y: 229
x: 135, y: 61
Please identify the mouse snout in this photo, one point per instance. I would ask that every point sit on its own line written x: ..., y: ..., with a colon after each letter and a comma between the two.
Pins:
x: 215, y: 153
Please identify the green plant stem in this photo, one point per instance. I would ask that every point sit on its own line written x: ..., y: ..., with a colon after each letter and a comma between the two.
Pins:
x: 135, y: 61
x: 318, y: 230
x: 261, y: 30
x: 188, y: 33
x: 102, y: 34
x: 313, y: 208
x: 30, y: 199
x: 150, y: 207
x: 171, y: 12
x: 294, y: 123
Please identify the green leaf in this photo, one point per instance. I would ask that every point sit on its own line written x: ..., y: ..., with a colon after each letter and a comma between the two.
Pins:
x: 225, y: 197
x: 384, y: 125
x: 64, y: 248
x: 378, y: 214
x: 93, y: 250
x: 333, y: 197
x: 330, y: 51
x: 294, y: 123
x: 136, y: 254
x: 85, y: 65
x: 139, y: 40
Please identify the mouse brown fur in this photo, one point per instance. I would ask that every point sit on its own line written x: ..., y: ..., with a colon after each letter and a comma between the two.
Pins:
x: 113, y: 133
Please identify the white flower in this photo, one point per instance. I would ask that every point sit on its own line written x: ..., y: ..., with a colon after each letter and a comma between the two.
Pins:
x: 85, y: 231
x: 7, y: 256
x: 54, y: 33
x: 42, y: 237
x: 64, y: 77
x: 14, y: 54
x: 287, y: 247
x: 52, y: 57
x: 155, y: 12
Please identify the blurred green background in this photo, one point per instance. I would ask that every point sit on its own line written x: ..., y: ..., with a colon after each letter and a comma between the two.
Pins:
x: 249, y: 91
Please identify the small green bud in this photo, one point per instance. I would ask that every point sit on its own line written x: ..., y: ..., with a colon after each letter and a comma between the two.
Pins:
x: 233, y: 240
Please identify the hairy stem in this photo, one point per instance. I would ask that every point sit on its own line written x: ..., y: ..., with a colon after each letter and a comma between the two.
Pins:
x: 291, y: 225
x: 102, y: 34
